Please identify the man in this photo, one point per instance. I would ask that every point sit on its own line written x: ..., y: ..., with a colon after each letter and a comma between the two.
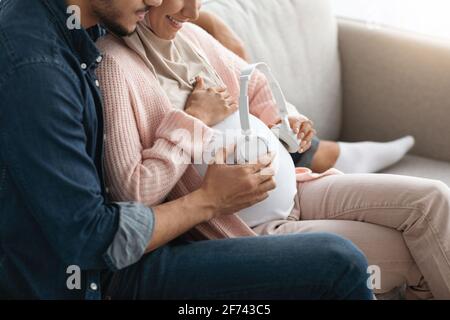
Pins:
x: 60, y: 239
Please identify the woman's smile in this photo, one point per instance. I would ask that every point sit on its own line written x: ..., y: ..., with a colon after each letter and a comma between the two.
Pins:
x: 169, y: 18
x: 177, y: 24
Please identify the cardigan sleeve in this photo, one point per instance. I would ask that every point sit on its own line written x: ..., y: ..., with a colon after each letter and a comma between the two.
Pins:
x: 229, y: 65
x: 135, y: 173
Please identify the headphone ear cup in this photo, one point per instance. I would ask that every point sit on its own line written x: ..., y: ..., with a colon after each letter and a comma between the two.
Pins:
x: 287, y: 137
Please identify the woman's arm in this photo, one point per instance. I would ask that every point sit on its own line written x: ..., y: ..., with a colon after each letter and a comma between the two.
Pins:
x: 135, y: 172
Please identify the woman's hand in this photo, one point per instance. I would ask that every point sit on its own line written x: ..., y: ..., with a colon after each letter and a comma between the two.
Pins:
x: 303, y: 127
x: 212, y: 105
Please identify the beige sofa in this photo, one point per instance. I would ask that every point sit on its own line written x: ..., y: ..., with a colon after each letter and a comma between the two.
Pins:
x: 356, y: 83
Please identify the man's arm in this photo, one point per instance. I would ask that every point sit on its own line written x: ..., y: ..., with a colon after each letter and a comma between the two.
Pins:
x: 226, y: 189
x: 44, y: 143
x: 215, y: 26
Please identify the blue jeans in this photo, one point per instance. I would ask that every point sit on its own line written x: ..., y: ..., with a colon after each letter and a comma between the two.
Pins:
x: 298, y: 266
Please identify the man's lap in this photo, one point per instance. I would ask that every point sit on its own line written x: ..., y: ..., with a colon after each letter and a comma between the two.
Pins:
x: 295, y: 266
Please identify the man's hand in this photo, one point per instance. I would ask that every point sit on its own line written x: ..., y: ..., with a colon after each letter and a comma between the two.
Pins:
x: 216, y: 27
x: 303, y: 127
x: 231, y: 188
x: 226, y: 189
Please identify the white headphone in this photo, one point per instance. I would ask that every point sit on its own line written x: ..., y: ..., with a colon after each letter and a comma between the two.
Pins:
x: 283, y: 130
x: 250, y: 134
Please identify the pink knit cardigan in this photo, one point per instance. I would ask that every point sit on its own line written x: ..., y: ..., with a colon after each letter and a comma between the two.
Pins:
x: 140, y: 124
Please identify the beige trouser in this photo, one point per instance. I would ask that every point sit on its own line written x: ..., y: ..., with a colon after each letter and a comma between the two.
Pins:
x: 401, y: 223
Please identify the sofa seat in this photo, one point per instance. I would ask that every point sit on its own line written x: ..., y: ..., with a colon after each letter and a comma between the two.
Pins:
x: 422, y: 167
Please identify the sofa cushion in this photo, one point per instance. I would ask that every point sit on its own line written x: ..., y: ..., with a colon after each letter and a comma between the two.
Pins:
x: 298, y: 39
x: 422, y: 167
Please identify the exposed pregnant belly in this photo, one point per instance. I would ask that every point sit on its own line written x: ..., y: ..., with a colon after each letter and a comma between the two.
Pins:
x: 281, y: 200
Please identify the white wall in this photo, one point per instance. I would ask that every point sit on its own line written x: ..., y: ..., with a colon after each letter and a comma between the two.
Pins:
x: 431, y: 17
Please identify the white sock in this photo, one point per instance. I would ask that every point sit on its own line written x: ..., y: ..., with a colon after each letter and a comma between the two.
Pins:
x: 369, y: 157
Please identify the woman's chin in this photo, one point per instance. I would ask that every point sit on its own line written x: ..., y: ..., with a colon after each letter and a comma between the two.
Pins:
x: 169, y: 36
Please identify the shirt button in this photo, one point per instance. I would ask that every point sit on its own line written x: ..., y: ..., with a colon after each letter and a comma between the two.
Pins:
x: 84, y: 66
x: 94, y: 286
x: 107, y: 190
x: 99, y: 59
x: 97, y: 83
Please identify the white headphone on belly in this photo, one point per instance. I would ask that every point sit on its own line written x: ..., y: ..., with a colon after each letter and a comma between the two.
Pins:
x: 253, y: 145
x: 253, y: 139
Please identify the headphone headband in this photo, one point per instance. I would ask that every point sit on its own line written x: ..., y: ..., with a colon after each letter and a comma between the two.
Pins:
x: 244, y: 101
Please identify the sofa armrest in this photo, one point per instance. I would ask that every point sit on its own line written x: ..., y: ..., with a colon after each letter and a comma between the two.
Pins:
x: 395, y: 83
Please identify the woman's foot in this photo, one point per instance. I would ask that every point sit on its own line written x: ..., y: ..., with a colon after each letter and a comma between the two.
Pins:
x: 369, y: 157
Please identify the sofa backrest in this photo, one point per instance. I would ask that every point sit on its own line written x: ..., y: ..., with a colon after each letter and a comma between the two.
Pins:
x: 298, y: 39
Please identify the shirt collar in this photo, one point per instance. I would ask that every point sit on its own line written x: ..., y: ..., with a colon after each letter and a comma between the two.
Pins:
x: 80, y: 40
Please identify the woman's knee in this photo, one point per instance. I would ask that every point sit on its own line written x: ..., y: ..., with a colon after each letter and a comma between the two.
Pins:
x: 434, y: 197
x: 440, y: 189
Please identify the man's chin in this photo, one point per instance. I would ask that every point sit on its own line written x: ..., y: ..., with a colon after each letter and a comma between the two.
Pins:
x: 130, y: 33
x: 119, y: 30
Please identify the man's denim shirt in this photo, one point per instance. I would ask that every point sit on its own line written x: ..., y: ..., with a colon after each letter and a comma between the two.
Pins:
x: 54, y: 217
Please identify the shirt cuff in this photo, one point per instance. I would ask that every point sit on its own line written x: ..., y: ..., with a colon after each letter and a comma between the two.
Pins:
x: 135, y: 230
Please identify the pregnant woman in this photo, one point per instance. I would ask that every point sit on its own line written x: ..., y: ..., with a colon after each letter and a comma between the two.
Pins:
x: 151, y: 88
